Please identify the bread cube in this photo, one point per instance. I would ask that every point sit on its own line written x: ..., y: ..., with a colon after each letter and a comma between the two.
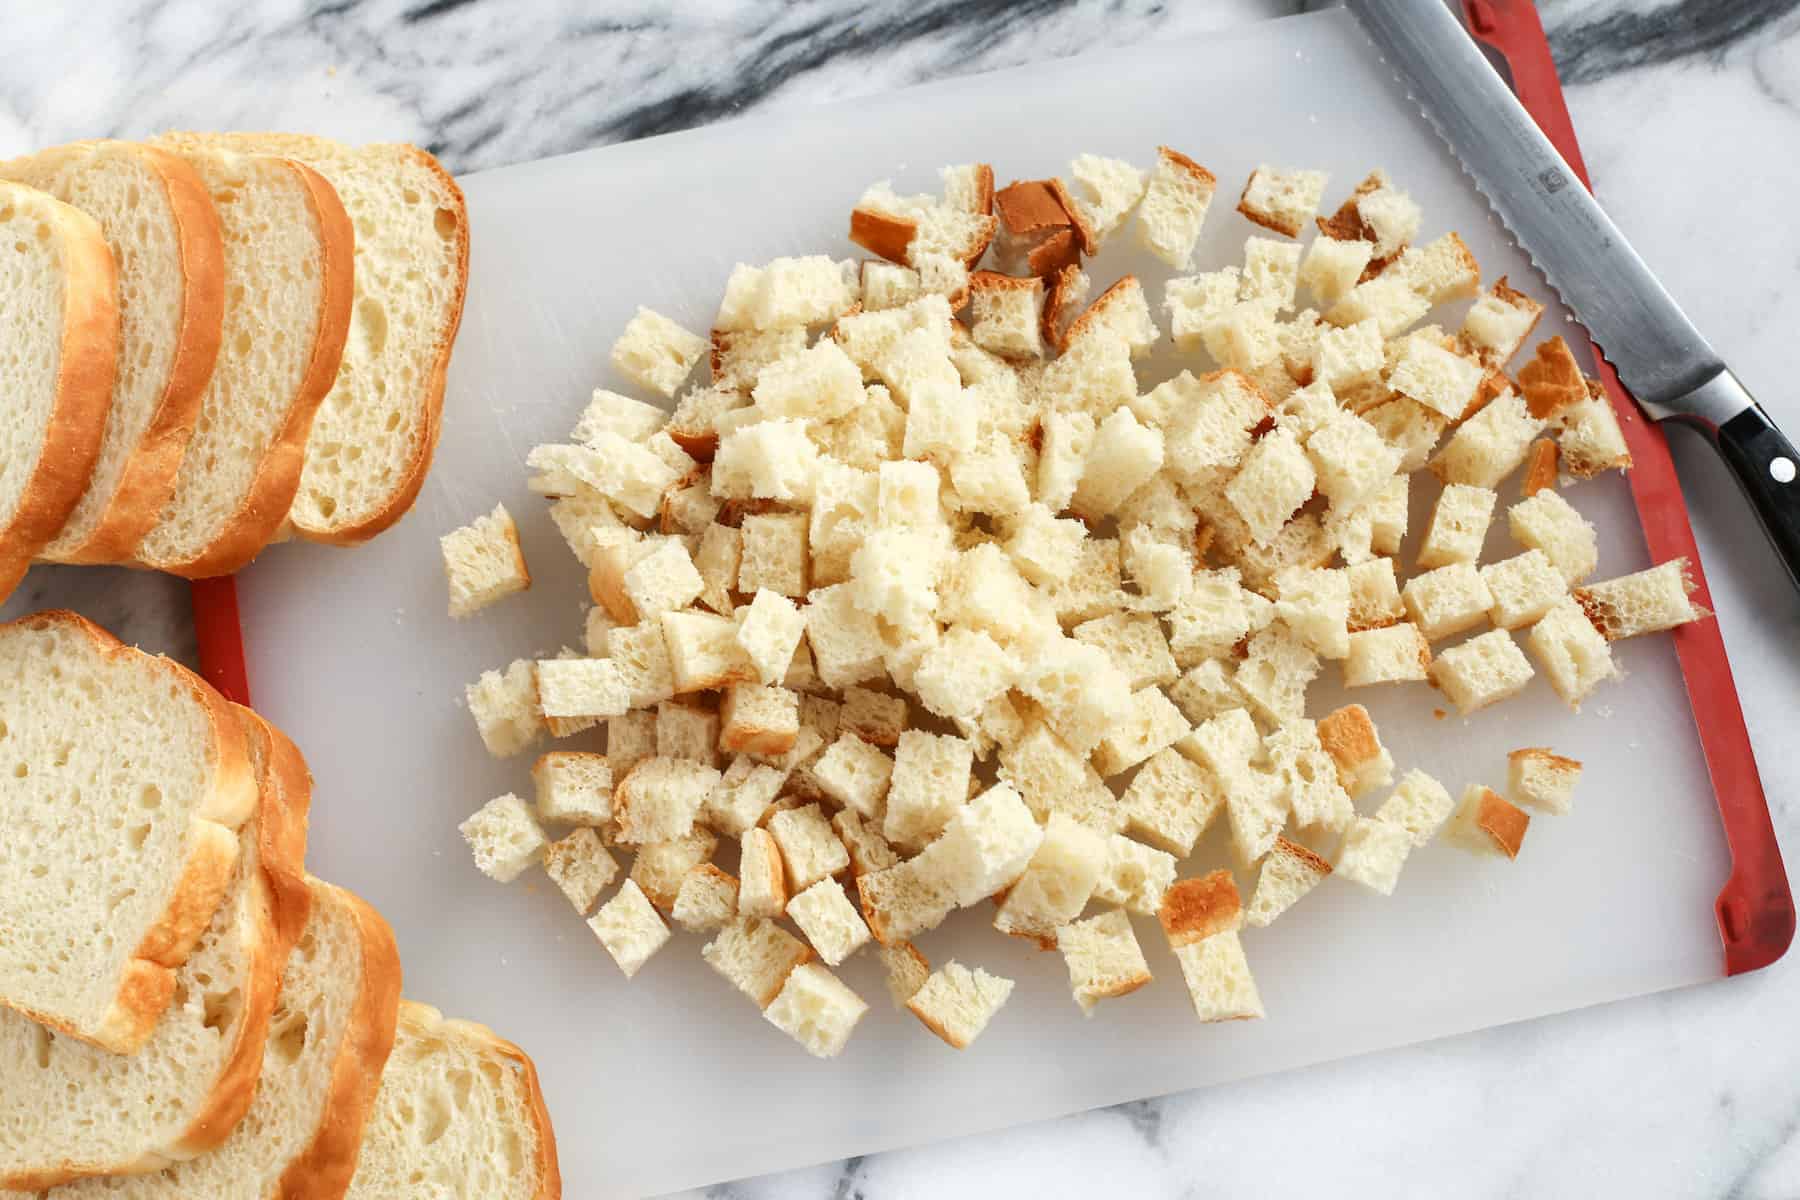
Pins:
x: 707, y: 900
x: 630, y: 928
x: 1332, y: 267
x: 1485, y: 669
x: 630, y: 739
x: 1135, y: 644
x: 888, y: 285
x: 869, y: 851
x: 1275, y: 480
x: 772, y: 459
x: 908, y: 495
x: 1374, y: 595
x: 629, y: 475
x: 581, y: 868
x: 830, y: 922
x: 773, y: 554
x: 483, y: 562
x: 1575, y: 656
x: 1486, y: 824
x: 1095, y: 587
x: 1174, y: 207
x: 1065, y: 438
x: 1007, y: 313
x: 930, y: 779
x: 875, y: 717
x: 1649, y: 601
x: 1121, y: 311
x: 818, y: 383
x: 1275, y: 672
x: 856, y: 775
x: 656, y: 352
x: 761, y: 720
x: 704, y: 653
x: 1134, y: 876
x: 1244, y: 337
x: 1441, y: 270
x: 1458, y: 526
x: 573, y: 788
x: 769, y: 634
x: 1224, y: 743
x: 1052, y: 778
x: 1122, y: 457
x: 985, y: 846
x: 685, y: 731
x: 1349, y: 736
x: 1490, y: 445
x: 957, y: 1003
x: 845, y: 641
x: 1196, y: 909
x: 1391, y: 654
x: 505, y: 708
x: 1171, y: 802
x: 906, y: 970
x: 1205, y: 691
x: 844, y: 512
x: 1591, y: 440
x: 1105, y: 192
x: 1349, y: 356
x: 742, y: 795
x: 1194, y: 302
x: 816, y: 1010
x: 718, y: 559
x: 609, y: 412
x: 756, y: 957
x: 962, y: 673
x: 990, y: 478
x: 1162, y: 570
x: 583, y: 520
x: 1282, y: 200
x: 739, y: 356
x: 1210, y: 619
x: 1372, y: 854
x: 1315, y: 604
x: 1498, y: 323
x: 1218, y: 979
x: 504, y: 838
x: 660, y: 799
x: 1308, y: 775
x: 1271, y: 272
x: 1288, y: 873
x: 1439, y: 379
x: 1387, y: 300
x: 660, y: 867
x: 1152, y: 724
x: 1448, y: 600
x: 1082, y: 693
x: 1103, y: 957
x: 1542, y: 780
x: 642, y: 657
x: 809, y: 849
x: 1057, y: 882
x: 1524, y: 588
x: 1351, y: 460
x: 762, y: 880
x: 1549, y: 523
x: 1419, y: 805
x: 905, y: 899
x: 1409, y: 426
x: 938, y: 423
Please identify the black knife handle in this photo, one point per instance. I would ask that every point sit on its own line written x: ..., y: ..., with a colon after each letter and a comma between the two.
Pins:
x: 1767, y: 467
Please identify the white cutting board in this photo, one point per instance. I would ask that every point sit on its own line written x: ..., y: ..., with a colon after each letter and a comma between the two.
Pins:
x: 675, y: 1080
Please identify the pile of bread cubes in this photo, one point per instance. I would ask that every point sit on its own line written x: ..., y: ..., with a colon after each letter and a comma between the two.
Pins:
x: 925, y: 600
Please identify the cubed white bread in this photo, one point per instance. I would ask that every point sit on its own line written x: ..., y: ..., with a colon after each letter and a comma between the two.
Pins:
x: 1274, y: 480
x: 611, y: 558
x: 1314, y: 795
x: 1007, y: 313
x: 1135, y: 876
x: 1574, y: 654
x: 1351, y: 459
x: 1441, y: 270
x: 1151, y: 724
x: 584, y: 519
x: 816, y: 384
x: 802, y: 675
x: 739, y: 356
x: 1057, y: 883
x: 1052, y: 778
x: 1448, y: 600
x: 580, y: 690
x: 758, y: 719
x: 1275, y: 672
x: 1174, y: 207
x: 888, y: 285
x: 907, y: 495
x: 1332, y: 267
x: 629, y: 475
x: 573, y: 788
x: 1206, y: 690
x: 1045, y: 548
x: 962, y: 673
x: 718, y: 558
x: 894, y: 576
x: 742, y: 796
x: 704, y: 653
x: 694, y: 425
x: 774, y: 554
x: 1245, y: 336
x: 817, y: 1010
x: 660, y: 799
x: 642, y: 657
x: 1211, y: 618
x: 770, y: 633
x: 689, y: 510
x: 1481, y: 671
x: 905, y: 970
x: 504, y: 705
x: 810, y: 850
x: 846, y: 643
x: 1271, y: 272
x: 1419, y: 805
x: 1095, y: 587
x: 985, y: 846
x: 1122, y: 310
x: 956, y: 1003
x: 1218, y: 979
x: 1649, y: 601
x: 1224, y: 743
x: 1082, y: 693
x: 1103, y: 957
x: 1409, y: 426
x: 1135, y: 644
x: 756, y: 957
x: 707, y: 900
x: 1348, y: 356
x: 1065, y: 439
x: 828, y: 919
x: 660, y: 867
x: 1540, y: 467
x: 1282, y: 200
x: 483, y: 562
x: 1459, y: 525
x: 1498, y: 323
x: 1288, y: 872
x: 1391, y: 654
x: 581, y: 867
x: 1171, y: 802
x: 1350, y: 737
x: 1387, y: 300
x: 504, y: 838
x: 1161, y: 569
x: 1524, y: 588
x: 1372, y: 854
x: 1105, y: 192
x: 1123, y: 456
x: 1439, y: 379
x: 917, y: 367
x: 1590, y: 438
x: 784, y: 293
x: 1374, y: 594
x: 1549, y: 523
x: 1484, y: 823
x: 990, y: 478
x: 1314, y: 602
x: 904, y: 900
x: 656, y: 352
x: 869, y: 851
x: 1542, y: 780
x: 762, y: 880
x: 773, y: 459
x: 856, y: 775
x: 1093, y: 374
x: 610, y: 413
x: 930, y: 779
x: 630, y: 739
x: 1194, y: 302
x: 1490, y: 445
x: 630, y: 928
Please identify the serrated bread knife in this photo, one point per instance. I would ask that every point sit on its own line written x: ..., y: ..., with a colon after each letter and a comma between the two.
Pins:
x: 1659, y: 355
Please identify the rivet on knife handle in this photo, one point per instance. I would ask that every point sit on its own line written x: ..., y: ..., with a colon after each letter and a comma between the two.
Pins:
x: 1766, y: 466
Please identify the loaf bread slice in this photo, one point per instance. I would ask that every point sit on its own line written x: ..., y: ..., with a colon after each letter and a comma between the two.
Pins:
x: 331, y: 1032
x: 288, y: 269
x: 376, y: 433
x: 127, y: 778
x: 163, y: 230
x: 459, y: 1114
x: 59, y: 352
x: 70, y: 1110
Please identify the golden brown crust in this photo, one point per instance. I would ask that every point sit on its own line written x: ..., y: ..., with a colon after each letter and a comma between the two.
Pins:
x: 324, y: 1170
x: 882, y: 233
x: 85, y: 371
x: 1195, y: 909
x: 1028, y: 206
x: 1061, y: 249
x: 1348, y: 735
x: 1552, y: 380
x: 1084, y: 232
x: 1187, y: 166
x: 984, y: 189
x: 1057, y: 301
x: 1545, y: 755
x: 1099, y: 307
x: 1504, y: 823
x: 1540, y: 467
x: 1312, y: 862
x: 1287, y: 227
x: 994, y: 281
x: 932, y: 1023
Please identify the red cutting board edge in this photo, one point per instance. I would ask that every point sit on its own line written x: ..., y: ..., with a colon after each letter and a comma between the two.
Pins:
x: 1755, y: 908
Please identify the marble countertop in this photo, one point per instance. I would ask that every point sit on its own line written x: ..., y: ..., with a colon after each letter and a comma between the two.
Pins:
x: 1689, y: 116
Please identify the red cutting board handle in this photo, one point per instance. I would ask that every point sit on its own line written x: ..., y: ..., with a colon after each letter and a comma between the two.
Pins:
x: 1756, y: 907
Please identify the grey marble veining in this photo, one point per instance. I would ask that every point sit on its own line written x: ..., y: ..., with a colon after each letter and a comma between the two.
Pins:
x: 1689, y: 114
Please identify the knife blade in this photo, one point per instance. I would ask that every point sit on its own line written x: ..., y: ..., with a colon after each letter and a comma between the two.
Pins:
x: 1663, y: 360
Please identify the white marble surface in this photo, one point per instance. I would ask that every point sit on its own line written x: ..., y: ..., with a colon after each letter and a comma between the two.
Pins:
x: 1690, y: 119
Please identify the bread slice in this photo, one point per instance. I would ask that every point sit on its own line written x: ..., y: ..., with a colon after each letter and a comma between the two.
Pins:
x: 59, y: 351
x: 288, y: 248
x: 459, y: 1114
x: 127, y: 780
x: 330, y: 1034
x: 70, y: 1110
x: 376, y: 432
x: 163, y: 230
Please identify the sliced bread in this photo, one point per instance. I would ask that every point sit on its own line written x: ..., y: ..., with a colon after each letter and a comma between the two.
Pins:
x: 375, y: 435
x: 126, y: 781
x: 331, y: 1032
x: 59, y: 349
x: 162, y: 228
x: 288, y: 251
x: 459, y: 1114
x: 70, y: 1110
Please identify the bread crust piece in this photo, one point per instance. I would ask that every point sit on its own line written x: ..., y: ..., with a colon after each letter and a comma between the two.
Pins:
x: 148, y: 981
x: 1195, y: 909
x: 85, y: 369
x: 147, y: 479
x: 882, y: 233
